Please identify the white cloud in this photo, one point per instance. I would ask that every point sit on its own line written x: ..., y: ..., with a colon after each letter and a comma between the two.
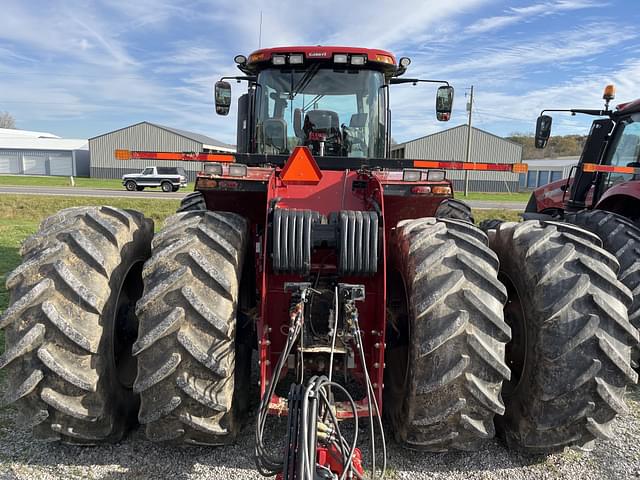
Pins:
x: 518, y: 14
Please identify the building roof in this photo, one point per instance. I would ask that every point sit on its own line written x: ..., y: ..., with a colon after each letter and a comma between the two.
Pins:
x: 207, y: 142
x: 464, y: 125
x: 27, y: 143
x: 15, y: 133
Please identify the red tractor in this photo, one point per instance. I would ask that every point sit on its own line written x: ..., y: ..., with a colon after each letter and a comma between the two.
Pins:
x: 604, y: 194
x: 351, y: 280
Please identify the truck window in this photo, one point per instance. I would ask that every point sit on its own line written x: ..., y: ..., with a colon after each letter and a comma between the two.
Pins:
x: 147, y: 171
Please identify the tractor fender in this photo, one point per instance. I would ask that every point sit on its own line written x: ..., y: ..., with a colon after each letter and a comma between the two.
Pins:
x: 548, y: 197
x: 623, y: 199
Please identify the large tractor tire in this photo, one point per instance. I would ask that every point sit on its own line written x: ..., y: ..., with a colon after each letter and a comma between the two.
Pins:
x: 621, y: 237
x: 445, y: 353
x: 570, y: 353
x: 192, y: 202
x: 452, y: 208
x: 186, y: 348
x: 71, y: 324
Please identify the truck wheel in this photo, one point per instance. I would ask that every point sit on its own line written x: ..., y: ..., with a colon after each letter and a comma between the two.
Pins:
x: 445, y: 350
x: 569, y: 356
x: 191, y: 202
x: 130, y: 185
x: 452, y: 208
x: 186, y: 348
x: 166, y: 187
x: 621, y: 237
x: 71, y: 324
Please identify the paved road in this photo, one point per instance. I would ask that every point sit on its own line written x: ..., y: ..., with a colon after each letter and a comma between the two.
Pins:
x: 92, y: 192
x: 157, y: 194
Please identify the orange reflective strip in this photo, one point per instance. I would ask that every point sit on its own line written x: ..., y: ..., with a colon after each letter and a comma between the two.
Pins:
x: 425, y: 164
x: 122, y: 154
x: 592, y: 167
x: 180, y: 156
x: 495, y: 167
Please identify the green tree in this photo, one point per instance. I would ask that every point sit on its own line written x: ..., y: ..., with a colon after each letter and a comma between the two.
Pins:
x: 558, y: 146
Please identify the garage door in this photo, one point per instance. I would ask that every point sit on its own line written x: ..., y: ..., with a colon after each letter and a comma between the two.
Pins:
x: 9, y: 164
x: 62, y: 166
x: 35, y: 165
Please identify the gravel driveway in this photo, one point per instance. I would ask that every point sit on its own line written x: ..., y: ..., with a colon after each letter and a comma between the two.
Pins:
x: 136, y: 458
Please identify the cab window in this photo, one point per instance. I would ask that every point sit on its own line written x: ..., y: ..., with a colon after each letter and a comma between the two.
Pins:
x: 147, y: 171
x: 626, y: 151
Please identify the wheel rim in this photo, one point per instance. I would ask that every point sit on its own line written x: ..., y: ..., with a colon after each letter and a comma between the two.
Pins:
x: 516, y: 349
x: 125, y: 326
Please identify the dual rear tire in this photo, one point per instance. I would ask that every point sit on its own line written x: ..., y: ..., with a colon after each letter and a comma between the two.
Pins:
x: 565, y: 328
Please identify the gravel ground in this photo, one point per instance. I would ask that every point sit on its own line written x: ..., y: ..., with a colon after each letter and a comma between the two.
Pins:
x: 136, y: 458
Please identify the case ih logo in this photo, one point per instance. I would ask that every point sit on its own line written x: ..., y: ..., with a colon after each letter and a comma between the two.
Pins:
x: 317, y: 54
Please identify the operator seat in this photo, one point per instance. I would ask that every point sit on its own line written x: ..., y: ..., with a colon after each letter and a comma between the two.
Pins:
x: 324, y: 120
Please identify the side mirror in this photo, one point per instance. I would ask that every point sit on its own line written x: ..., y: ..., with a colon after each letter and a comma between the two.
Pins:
x: 444, y: 103
x: 222, y: 97
x: 543, y: 130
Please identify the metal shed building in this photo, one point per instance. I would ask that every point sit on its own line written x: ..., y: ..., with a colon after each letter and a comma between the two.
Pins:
x: 546, y: 170
x: 451, y: 145
x: 37, y: 153
x: 151, y: 137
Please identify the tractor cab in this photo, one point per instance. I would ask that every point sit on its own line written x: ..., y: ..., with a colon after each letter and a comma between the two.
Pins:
x: 333, y: 100
x: 608, y: 173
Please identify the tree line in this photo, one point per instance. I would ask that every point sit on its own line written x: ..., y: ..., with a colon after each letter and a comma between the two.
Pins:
x: 558, y: 146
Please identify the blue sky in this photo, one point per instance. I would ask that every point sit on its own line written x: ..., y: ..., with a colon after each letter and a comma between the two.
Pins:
x: 82, y: 68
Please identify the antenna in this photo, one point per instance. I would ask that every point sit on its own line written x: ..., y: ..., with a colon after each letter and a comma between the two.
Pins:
x: 260, y: 32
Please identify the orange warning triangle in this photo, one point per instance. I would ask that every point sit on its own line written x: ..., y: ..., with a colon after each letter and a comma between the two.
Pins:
x: 301, y: 168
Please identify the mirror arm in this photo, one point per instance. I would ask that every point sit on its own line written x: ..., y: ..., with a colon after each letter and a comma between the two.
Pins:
x: 395, y: 81
x: 247, y: 78
x: 573, y: 111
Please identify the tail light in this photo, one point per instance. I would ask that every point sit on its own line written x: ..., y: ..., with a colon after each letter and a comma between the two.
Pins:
x: 441, y: 190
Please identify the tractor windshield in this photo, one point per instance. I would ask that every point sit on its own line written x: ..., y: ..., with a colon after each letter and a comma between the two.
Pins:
x: 333, y: 112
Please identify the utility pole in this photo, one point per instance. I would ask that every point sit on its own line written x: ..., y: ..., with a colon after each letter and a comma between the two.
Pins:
x: 468, y: 157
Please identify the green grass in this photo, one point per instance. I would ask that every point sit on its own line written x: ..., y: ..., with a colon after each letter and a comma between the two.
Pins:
x: 34, y: 181
x: 37, y: 207
x: 508, y: 215
x: 496, y: 197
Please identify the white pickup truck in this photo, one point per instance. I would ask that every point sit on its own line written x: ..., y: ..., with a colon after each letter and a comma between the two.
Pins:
x: 170, y: 179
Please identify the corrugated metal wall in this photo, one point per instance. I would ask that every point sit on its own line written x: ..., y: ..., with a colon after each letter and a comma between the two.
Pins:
x: 451, y: 145
x: 138, y: 137
x: 44, y: 162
